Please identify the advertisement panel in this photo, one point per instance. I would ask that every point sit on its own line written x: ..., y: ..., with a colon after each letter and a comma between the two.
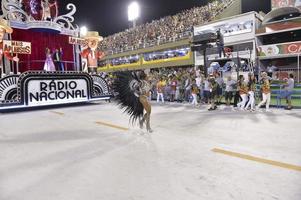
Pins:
x: 279, y: 49
x: 18, y: 47
x: 285, y: 3
x: 49, y: 92
x: 39, y: 88
x: 78, y: 41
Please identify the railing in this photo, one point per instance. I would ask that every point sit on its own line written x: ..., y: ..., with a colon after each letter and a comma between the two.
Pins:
x: 150, y: 43
x: 67, y: 64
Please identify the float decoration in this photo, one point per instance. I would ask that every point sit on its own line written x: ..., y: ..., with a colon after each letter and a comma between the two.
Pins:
x: 13, y: 11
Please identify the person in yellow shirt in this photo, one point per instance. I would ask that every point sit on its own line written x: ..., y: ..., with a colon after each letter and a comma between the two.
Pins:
x: 266, y: 92
x: 243, y: 92
x: 160, y: 90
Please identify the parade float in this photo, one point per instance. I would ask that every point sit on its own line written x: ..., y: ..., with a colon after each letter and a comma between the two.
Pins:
x: 32, y: 35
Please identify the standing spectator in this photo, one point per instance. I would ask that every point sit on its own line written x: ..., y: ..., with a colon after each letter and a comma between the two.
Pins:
x: 207, y: 87
x: 177, y: 91
x: 160, y: 90
x: 237, y: 97
x: 198, y: 82
x: 173, y: 88
x: 289, y: 89
x: 229, y: 90
x: 187, y: 88
x: 194, y: 93
x: 220, y: 83
x: 182, y: 89
x: 243, y: 92
x: 252, y: 89
x: 220, y: 44
x: 266, y: 92
x: 213, y: 93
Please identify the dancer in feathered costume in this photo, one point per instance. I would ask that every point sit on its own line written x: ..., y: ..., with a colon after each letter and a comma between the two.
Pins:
x: 132, y: 94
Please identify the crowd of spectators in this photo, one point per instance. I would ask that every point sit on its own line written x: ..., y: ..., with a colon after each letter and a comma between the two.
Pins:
x: 188, y: 84
x: 166, y: 29
x: 175, y: 83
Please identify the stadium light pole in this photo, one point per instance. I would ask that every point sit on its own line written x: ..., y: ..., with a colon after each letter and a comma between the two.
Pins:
x: 133, y: 12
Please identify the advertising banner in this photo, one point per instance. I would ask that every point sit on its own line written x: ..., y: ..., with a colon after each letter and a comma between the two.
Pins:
x: 279, y: 49
x: 286, y: 3
x: 17, y: 47
x: 78, y: 41
x: 48, y: 92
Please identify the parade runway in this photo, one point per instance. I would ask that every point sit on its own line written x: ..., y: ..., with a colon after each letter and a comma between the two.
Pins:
x: 92, y: 152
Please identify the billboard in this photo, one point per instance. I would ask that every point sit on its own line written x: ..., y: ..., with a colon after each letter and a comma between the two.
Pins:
x: 279, y: 49
x: 50, y: 92
x: 286, y: 3
x: 18, y: 47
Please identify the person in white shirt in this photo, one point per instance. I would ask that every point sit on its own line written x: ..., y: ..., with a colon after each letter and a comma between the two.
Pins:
x: 220, y: 84
x: 252, y: 90
x: 207, y: 87
x: 229, y: 90
x: 199, y: 82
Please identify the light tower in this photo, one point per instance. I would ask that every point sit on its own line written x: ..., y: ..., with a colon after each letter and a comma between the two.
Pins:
x: 133, y: 13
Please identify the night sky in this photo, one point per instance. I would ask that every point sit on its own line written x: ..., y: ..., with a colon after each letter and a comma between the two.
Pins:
x: 110, y: 16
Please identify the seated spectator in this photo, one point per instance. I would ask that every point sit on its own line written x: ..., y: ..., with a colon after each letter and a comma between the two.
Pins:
x: 166, y: 29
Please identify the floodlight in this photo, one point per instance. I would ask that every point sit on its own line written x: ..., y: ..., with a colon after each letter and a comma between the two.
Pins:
x: 83, y: 31
x: 133, y: 11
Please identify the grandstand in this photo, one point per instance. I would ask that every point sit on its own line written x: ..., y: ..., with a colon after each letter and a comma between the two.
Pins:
x: 171, y: 33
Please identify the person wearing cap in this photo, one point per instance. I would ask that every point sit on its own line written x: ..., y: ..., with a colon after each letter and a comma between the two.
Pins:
x: 5, y: 28
x: 91, y: 54
x: 266, y: 92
